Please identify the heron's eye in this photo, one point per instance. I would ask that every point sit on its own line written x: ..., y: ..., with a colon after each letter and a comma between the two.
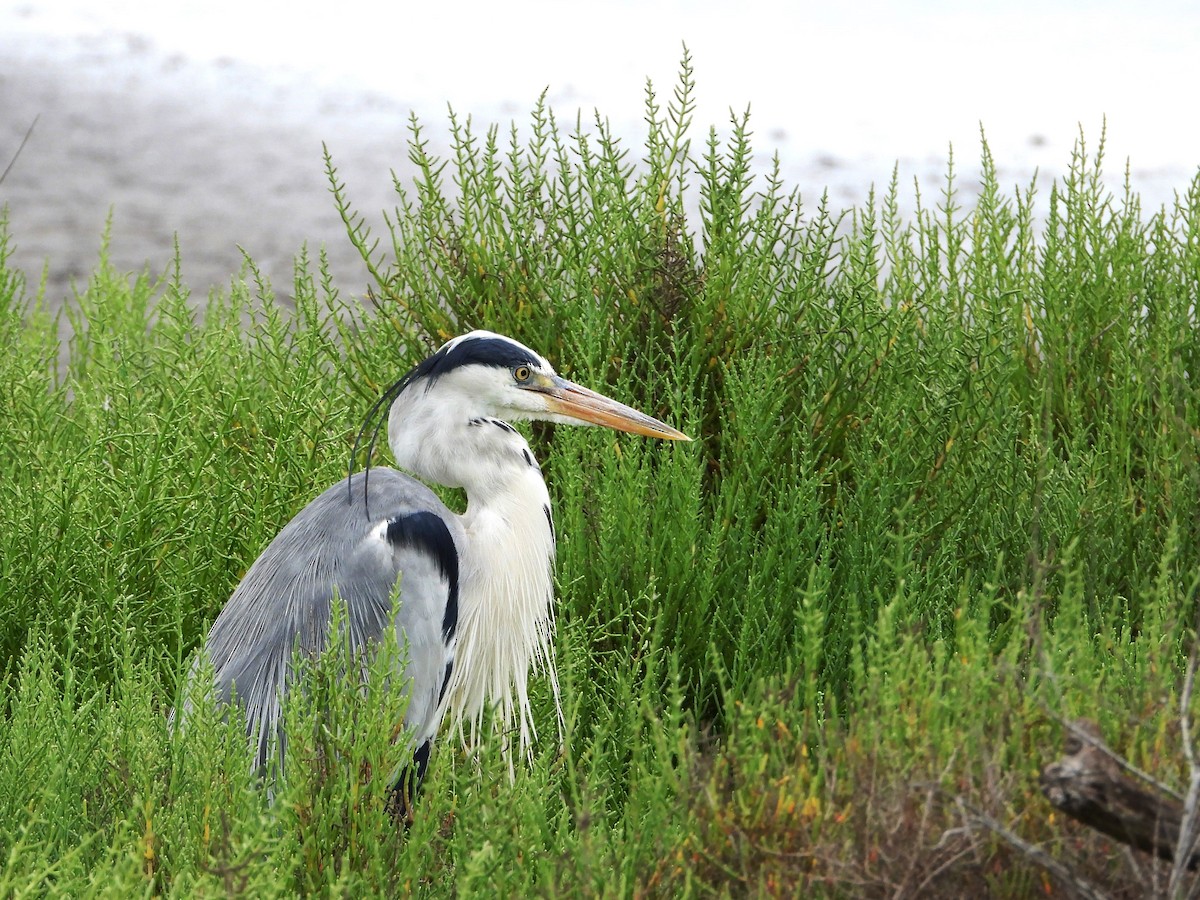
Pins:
x: 522, y: 374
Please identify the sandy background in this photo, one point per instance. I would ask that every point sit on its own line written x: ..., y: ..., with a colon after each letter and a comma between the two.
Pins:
x: 205, y: 120
x: 141, y: 139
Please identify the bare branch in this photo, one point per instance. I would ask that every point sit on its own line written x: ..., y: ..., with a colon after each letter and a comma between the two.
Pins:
x: 1035, y: 854
x: 12, y: 162
x: 1185, y: 846
x: 1088, y: 785
x: 1083, y: 733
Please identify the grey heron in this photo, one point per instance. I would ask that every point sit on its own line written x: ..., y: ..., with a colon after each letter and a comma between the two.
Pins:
x: 475, y: 590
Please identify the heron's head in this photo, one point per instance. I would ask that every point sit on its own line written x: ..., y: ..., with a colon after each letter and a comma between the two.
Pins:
x: 480, y: 377
x: 487, y: 374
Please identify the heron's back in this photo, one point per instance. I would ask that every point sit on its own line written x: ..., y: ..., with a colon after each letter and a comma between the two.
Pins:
x: 285, y: 599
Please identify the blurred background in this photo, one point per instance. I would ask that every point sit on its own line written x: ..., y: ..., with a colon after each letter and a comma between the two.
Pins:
x: 204, y: 120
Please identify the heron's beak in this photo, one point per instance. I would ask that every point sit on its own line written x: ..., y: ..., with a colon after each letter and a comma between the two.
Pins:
x: 565, y: 398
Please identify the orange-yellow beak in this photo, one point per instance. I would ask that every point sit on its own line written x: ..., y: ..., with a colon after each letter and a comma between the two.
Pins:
x: 572, y: 401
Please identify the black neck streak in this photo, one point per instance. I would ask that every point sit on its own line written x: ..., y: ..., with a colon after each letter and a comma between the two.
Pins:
x: 482, y: 421
x: 485, y: 420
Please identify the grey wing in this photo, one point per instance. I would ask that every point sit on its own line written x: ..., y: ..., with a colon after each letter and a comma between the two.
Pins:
x: 284, y: 600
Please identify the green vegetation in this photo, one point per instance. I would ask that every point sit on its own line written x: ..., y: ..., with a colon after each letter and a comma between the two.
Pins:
x: 945, y: 487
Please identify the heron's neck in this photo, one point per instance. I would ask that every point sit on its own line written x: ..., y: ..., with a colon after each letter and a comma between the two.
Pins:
x: 506, y: 618
x: 506, y: 613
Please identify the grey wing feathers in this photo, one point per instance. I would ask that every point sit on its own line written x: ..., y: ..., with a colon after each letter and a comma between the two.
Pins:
x: 285, y: 598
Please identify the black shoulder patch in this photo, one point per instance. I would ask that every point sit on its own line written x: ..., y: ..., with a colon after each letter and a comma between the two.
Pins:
x: 549, y: 519
x: 427, y: 532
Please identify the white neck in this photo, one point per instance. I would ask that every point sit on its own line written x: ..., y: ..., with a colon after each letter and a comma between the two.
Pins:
x: 506, y: 612
x: 506, y: 588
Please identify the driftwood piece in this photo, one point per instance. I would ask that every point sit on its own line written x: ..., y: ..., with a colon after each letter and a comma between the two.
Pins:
x: 1089, y: 784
